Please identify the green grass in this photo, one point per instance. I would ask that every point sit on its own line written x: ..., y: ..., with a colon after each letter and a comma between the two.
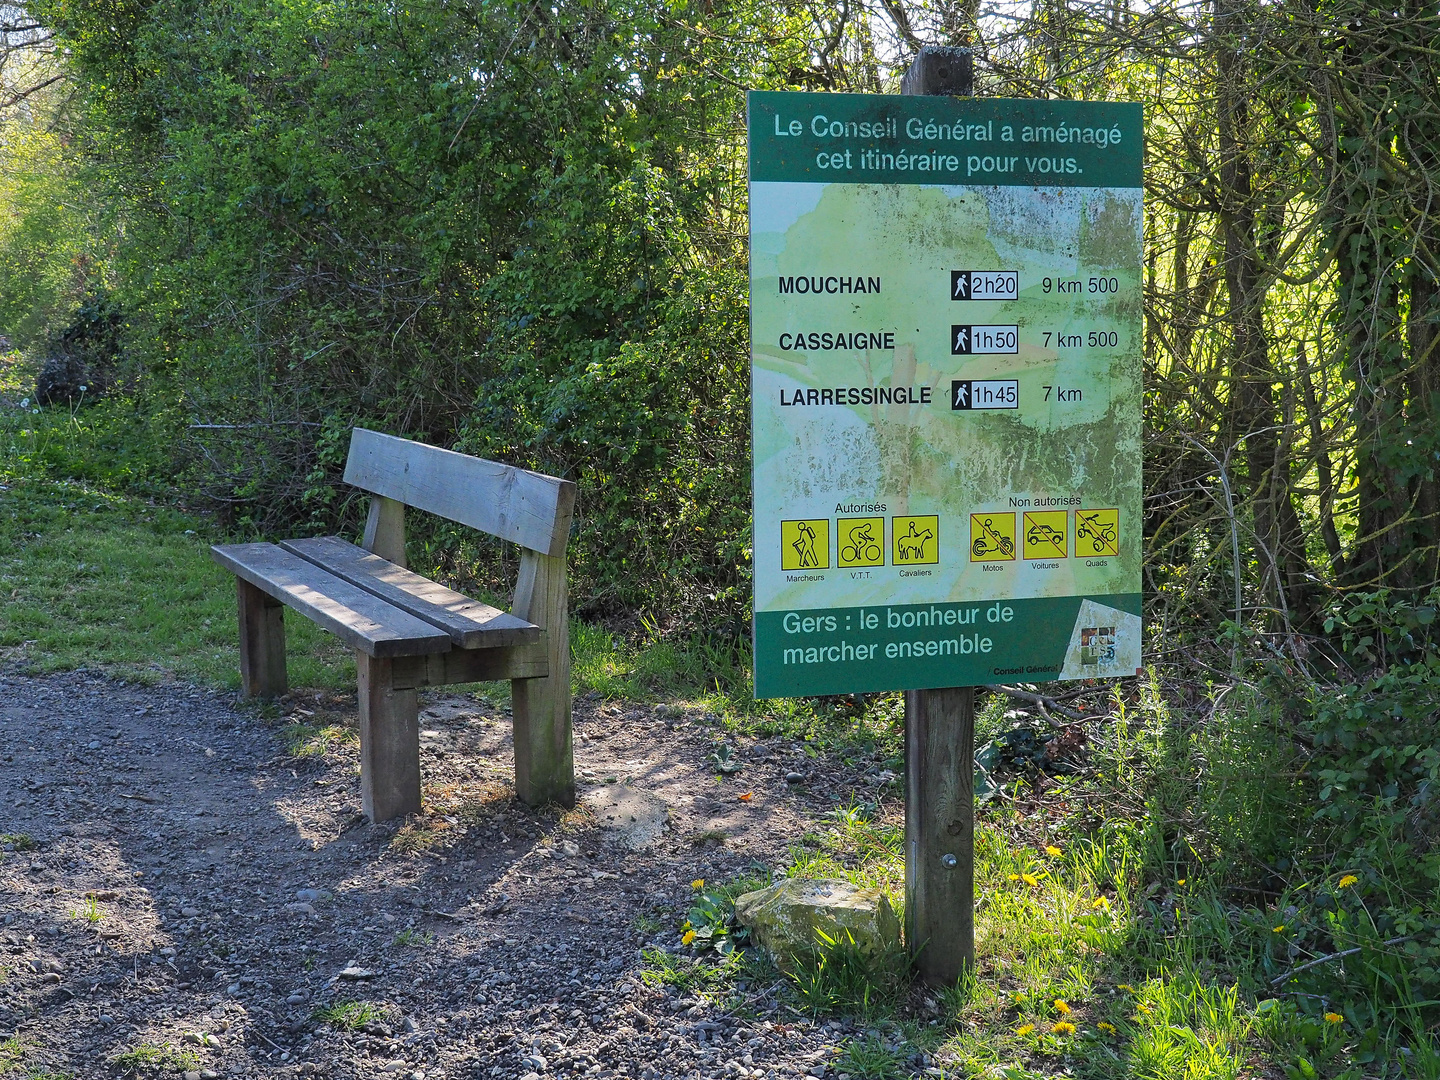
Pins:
x: 147, y: 1057
x: 414, y: 938
x: 349, y: 1015
x: 315, y: 740
x: 90, y: 912
x: 17, y: 841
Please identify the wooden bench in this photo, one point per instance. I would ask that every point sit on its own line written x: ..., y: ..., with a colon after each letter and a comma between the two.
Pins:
x: 409, y: 631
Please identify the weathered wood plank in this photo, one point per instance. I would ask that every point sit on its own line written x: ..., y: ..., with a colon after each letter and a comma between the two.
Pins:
x: 473, y: 665
x: 359, y: 618
x: 389, y: 742
x: 526, y: 508
x: 262, y: 642
x: 544, y: 746
x: 940, y: 69
x: 385, y: 530
x: 940, y: 730
x: 470, y: 624
x: 940, y: 832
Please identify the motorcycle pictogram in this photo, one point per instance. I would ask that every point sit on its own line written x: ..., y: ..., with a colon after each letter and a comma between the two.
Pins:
x: 989, y: 541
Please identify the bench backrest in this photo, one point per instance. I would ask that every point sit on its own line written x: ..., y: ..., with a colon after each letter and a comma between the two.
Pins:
x: 526, y: 508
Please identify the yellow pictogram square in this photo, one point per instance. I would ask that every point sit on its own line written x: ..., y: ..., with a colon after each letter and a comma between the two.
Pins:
x: 805, y: 544
x: 1097, y: 532
x: 1045, y: 534
x: 915, y: 540
x: 992, y: 537
x: 862, y: 541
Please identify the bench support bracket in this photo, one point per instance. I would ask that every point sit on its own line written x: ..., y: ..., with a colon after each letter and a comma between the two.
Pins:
x: 544, y: 747
x: 385, y: 530
x: 262, y: 642
x: 389, y: 742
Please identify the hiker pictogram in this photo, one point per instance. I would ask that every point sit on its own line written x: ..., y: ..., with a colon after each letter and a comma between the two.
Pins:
x: 992, y: 537
x: 1097, y: 532
x: 805, y: 544
x: 861, y: 540
x: 1046, y: 534
x: 916, y: 540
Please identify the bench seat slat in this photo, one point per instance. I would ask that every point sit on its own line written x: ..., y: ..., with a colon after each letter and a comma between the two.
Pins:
x: 470, y: 624
x: 359, y: 618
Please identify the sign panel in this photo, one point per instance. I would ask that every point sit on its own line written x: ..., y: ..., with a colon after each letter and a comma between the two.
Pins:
x: 945, y: 302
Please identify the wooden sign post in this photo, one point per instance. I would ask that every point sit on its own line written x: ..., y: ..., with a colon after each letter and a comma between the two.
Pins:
x: 940, y: 732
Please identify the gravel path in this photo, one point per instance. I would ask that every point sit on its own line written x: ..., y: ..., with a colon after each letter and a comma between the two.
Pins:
x: 196, y: 892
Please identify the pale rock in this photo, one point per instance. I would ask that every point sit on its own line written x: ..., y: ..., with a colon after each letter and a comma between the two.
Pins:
x: 788, y: 917
x: 635, y: 818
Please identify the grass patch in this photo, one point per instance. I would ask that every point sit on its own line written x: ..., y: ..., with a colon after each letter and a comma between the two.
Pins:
x: 349, y: 1015
x: 304, y: 740
x: 839, y: 977
x: 870, y: 1058
x: 17, y: 842
x: 413, y: 938
x: 90, y: 911
x: 89, y: 579
x: 147, y: 1057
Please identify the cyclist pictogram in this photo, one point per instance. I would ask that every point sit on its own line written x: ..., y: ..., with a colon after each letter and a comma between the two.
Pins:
x: 1045, y: 534
x: 1097, y: 532
x: 805, y: 544
x: 861, y: 540
x: 916, y: 540
x: 992, y: 537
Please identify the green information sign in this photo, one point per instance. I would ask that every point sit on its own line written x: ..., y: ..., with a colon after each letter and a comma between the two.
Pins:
x: 945, y: 301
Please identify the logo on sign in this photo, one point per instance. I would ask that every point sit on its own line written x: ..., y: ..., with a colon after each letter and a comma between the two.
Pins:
x: 984, y: 340
x: 984, y: 394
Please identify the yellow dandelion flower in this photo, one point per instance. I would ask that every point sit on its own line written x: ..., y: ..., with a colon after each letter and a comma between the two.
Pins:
x: 1101, y: 902
x: 1062, y: 1006
x: 1334, y: 1018
x: 1030, y: 879
x: 698, y: 883
x: 688, y: 938
x: 1108, y: 1028
x: 1145, y: 1009
x: 1014, y: 877
x: 1181, y: 881
x: 1064, y: 1027
x: 1348, y: 880
x: 1126, y: 987
x: 1277, y: 929
x: 1052, y: 850
x: 1024, y: 1029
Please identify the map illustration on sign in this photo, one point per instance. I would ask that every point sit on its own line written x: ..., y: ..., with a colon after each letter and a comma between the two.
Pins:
x: 945, y: 301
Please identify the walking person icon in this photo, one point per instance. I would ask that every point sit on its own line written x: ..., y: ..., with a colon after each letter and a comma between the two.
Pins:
x: 804, y: 546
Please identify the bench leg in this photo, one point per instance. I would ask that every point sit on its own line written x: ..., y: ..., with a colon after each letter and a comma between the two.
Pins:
x: 544, y: 748
x: 389, y: 743
x: 262, y: 642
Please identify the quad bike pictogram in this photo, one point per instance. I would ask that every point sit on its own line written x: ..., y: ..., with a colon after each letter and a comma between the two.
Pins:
x: 862, y: 547
x: 990, y: 541
x: 1100, y: 534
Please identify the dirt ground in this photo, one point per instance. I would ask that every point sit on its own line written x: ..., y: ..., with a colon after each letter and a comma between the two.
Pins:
x: 181, y: 893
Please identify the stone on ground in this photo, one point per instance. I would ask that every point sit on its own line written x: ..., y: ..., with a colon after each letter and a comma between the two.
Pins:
x: 634, y: 818
x: 789, y: 917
